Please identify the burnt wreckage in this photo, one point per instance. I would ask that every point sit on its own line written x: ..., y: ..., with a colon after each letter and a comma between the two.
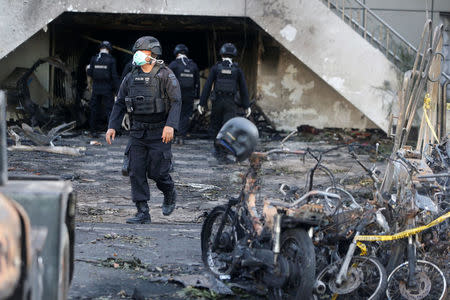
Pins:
x: 37, y: 251
x: 64, y: 104
x: 327, y: 243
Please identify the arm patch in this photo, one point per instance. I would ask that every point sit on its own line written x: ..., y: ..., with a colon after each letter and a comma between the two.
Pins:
x: 173, y: 79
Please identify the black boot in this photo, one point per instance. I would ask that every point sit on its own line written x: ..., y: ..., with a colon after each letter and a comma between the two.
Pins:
x: 170, y: 199
x: 126, y: 166
x: 142, y: 216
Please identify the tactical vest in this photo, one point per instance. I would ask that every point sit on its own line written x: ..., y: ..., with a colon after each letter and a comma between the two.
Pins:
x: 226, y: 81
x: 101, y: 69
x: 144, y: 94
x: 186, y: 76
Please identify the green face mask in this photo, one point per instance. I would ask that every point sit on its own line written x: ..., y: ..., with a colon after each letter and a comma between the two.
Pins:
x: 139, y: 58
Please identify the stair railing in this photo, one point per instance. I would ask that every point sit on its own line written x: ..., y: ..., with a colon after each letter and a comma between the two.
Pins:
x: 376, y: 31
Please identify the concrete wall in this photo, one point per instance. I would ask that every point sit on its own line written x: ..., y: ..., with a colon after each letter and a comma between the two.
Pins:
x: 292, y: 95
x: 332, y: 50
x: 21, y: 19
x: 408, y: 17
x: 38, y: 46
x: 306, y: 28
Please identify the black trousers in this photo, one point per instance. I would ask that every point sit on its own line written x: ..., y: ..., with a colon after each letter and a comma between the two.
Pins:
x: 101, y: 106
x: 149, y: 158
x: 223, y: 109
x: 185, y: 115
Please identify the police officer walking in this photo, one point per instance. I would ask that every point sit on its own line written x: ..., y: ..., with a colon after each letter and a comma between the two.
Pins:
x: 186, y: 71
x: 150, y: 93
x: 102, y: 68
x: 227, y: 77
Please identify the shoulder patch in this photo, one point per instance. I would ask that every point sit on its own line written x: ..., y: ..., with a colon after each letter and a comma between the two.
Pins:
x: 173, y: 79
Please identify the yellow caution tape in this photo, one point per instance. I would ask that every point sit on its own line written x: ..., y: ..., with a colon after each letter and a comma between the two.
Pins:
x: 427, y: 102
x: 403, y: 234
x: 426, y: 108
x: 362, y: 247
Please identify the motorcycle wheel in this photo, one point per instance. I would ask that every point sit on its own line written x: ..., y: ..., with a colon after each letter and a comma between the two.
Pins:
x: 366, y: 279
x: 216, y: 261
x: 297, y: 247
x: 431, y: 283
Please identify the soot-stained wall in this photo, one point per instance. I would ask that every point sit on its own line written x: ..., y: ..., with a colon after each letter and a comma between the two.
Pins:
x: 292, y: 95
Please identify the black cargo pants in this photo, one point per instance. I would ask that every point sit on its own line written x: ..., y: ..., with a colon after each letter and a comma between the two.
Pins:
x: 185, y: 115
x: 149, y: 158
x: 101, y: 105
x: 223, y: 109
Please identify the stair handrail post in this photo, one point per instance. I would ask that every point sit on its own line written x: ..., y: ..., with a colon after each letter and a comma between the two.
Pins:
x: 3, y: 148
x: 365, y: 23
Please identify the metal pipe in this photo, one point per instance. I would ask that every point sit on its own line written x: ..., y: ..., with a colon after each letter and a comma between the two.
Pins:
x: 114, y: 47
x: 342, y: 275
x: 434, y: 175
x: 277, y: 236
x: 3, y: 154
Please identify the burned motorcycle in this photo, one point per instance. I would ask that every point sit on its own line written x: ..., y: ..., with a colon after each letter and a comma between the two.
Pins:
x: 277, y: 251
x: 274, y: 251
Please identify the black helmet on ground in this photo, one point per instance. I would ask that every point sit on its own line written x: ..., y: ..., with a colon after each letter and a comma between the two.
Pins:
x: 180, y: 48
x: 106, y: 44
x: 228, y: 49
x: 148, y: 43
x: 239, y: 136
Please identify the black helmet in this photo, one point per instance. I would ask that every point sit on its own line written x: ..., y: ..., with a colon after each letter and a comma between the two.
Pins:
x: 148, y: 43
x: 180, y: 48
x: 106, y: 44
x: 228, y: 49
x: 239, y: 136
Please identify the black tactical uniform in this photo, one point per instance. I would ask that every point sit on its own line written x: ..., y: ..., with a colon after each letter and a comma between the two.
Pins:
x: 102, y: 68
x: 153, y: 100
x: 228, y: 78
x: 127, y: 69
x: 186, y: 71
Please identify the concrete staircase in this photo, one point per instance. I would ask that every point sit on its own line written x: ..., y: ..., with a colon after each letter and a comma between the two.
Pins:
x: 308, y: 29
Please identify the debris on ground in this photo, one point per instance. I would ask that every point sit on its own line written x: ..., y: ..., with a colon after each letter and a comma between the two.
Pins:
x: 43, y: 142
x: 73, y: 151
x: 199, y: 186
x: 200, y: 282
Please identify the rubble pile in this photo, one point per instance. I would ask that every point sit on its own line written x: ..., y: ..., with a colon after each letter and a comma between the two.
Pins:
x: 364, y: 243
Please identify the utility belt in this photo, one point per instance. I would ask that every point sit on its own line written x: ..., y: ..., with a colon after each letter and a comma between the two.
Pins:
x: 223, y: 94
x: 136, y: 125
x: 142, y: 105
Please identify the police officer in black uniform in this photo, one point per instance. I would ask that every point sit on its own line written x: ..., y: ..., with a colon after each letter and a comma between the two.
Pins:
x: 102, y: 68
x: 150, y: 93
x: 186, y: 71
x: 227, y: 78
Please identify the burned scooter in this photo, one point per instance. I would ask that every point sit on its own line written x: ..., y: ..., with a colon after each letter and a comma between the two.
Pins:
x: 275, y: 251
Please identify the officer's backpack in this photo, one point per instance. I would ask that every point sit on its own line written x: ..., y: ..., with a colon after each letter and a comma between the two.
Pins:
x: 186, y: 77
x: 226, y: 82
x: 101, y: 68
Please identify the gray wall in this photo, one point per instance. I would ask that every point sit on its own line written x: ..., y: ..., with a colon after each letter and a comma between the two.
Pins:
x: 38, y: 46
x: 408, y: 17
